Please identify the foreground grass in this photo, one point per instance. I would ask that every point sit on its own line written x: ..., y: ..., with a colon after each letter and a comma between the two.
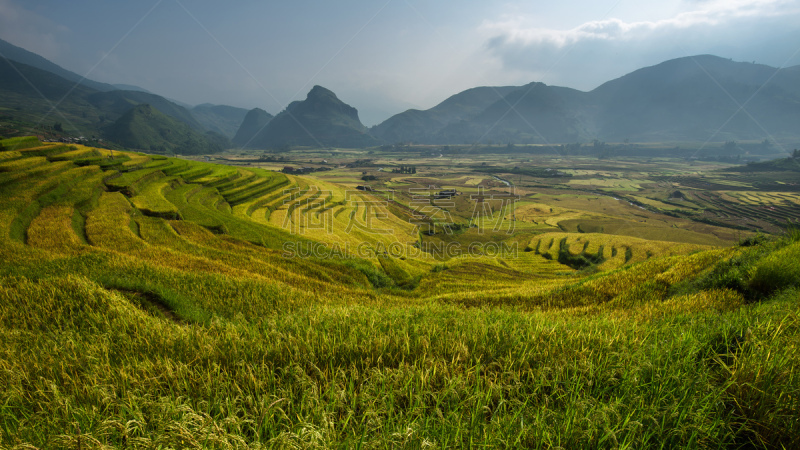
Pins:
x: 83, y: 367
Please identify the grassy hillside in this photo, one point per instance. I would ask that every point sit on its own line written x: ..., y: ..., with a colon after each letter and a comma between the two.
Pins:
x: 117, y: 103
x: 28, y: 94
x: 151, y: 302
x: 144, y: 127
x: 29, y: 97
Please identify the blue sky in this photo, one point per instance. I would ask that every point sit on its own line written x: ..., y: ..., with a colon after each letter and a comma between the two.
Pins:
x: 385, y: 56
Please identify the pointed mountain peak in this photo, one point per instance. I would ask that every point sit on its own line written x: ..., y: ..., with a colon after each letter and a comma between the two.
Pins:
x: 255, y: 112
x: 254, y: 121
x: 319, y: 92
x: 321, y: 120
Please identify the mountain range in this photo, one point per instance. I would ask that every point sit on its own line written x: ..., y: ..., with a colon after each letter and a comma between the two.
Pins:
x: 698, y: 98
x: 39, y: 95
x: 19, y: 54
x: 694, y: 98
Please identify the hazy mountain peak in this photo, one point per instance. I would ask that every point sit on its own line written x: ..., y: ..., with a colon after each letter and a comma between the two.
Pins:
x: 319, y: 120
x: 319, y: 92
x: 254, y: 121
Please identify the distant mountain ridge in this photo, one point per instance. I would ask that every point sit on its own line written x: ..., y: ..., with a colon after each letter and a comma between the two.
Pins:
x: 321, y: 120
x: 415, y: 124
x: 30, y: 95
x: 89, y: 107
x: 701, y: 98
x: 696, y: 98
x: 19, y: 54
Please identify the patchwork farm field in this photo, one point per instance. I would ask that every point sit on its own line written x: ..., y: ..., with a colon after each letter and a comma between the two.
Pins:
x: 474, y: 301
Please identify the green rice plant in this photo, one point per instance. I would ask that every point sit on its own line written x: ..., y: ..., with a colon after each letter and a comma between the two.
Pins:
x: 127, y: 181
x: 395, y: 270
x: 219, y: 174
x: 54, y: 229
x: 792, y: 231
x: 55, y: 189
x: 777, y: 271
x: 110, y: 225
x: 464, y: 377
x: 48, y: 150
x: 8, y: 154
x: 80, y: 152
x: 13, y: 165
x: 196, y: 173
x: 20, y: 143
x: 176, y: 167
x: 765, y: 388
x: 159, y: 163
x: 178, y: 196
x: 151, y: 201
x: 756, y: 269
x: 234, y: 182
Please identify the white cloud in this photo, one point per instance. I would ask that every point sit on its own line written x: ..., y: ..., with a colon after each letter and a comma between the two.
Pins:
x: 709, y: 13
x: 596, y: 51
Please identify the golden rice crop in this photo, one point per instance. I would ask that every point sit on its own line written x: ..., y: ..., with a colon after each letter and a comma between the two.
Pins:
x: 109, y: 225
x: 53, y: 230
x: 136, y: 159
x: 151, y: 200
x: 22, y: 164
x: 714, y: 301
x: 9, y: 154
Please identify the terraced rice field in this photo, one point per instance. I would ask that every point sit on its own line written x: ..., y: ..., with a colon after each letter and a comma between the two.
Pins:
x: 611, y: 252
x: 128, y: 202
x: 151, y: 302
x: 774, y: 207
x: 611, y: 184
